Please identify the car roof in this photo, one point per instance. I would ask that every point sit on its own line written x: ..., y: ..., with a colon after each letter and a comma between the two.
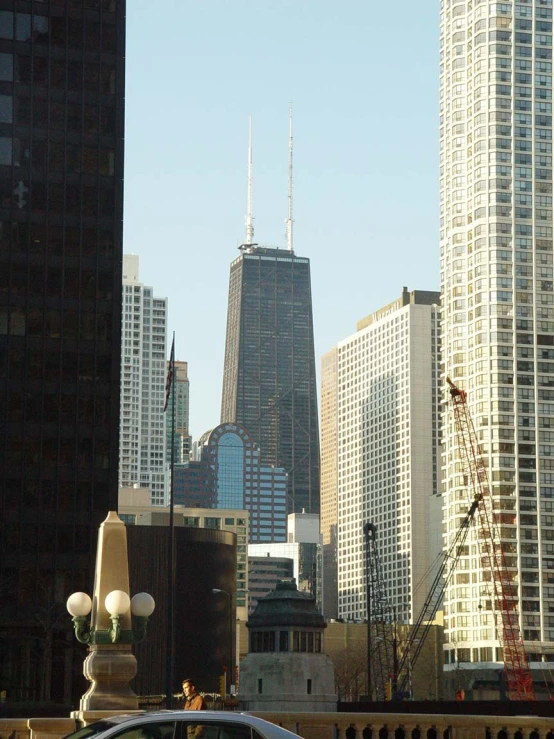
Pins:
x: 160, y: 715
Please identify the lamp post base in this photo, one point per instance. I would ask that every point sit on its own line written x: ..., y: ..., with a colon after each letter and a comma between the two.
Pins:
x: 109, y: 668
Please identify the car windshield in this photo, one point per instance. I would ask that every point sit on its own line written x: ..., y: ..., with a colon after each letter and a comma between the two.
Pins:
x: 92, y: 729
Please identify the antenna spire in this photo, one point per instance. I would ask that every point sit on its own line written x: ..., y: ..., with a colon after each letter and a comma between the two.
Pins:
x: 289, y: 220
x: 249, y: 216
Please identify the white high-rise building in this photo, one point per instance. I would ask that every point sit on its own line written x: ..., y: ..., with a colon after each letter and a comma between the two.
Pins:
x: 142, y: 444
x: 498, y: 308
x: 388, y: 453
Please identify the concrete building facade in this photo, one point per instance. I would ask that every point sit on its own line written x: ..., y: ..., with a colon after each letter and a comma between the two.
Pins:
x: 498, y: 309
x: 329, y: 483
x: 388, y: 452
x: 303, y: 548
x: 142, y: 451
x: 286, y: 667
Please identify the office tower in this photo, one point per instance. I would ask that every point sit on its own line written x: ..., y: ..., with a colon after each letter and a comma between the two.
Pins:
x: 303, y: 547
x: 265, y: 570
x: 61, y: 208
x: 182, y: 440
x: 142, y: 450
x: 498, y: 307
x: 269, y: 383
x: 230, y: 474
x: 388, y: 453
x: 329, y: 482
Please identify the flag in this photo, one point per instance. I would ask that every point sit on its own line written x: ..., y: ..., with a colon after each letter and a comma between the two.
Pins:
x: 170, y: 371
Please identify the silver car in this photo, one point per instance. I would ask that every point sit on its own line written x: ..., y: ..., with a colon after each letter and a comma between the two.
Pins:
x: 183, y: 725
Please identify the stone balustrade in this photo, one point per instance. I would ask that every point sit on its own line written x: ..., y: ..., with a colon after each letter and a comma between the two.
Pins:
x: 411, y: 726
x: 343, y: 726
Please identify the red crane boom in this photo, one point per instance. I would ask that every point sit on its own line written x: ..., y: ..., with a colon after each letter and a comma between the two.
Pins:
x: 493, y: 560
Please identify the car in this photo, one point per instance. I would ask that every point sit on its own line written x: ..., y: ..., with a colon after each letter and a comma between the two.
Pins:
x: 183, y: 725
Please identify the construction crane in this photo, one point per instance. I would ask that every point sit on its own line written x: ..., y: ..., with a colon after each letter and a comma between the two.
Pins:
x: 420, y: 630
x: 505, y: 602
x: 379, y: 620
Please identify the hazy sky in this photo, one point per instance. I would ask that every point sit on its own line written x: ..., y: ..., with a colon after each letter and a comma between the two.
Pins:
x: 362, y: 76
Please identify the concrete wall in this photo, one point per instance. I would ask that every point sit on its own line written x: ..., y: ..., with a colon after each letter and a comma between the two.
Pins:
x: 287, y: 681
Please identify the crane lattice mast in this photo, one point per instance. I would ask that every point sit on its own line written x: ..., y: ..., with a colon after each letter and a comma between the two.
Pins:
x: 493, y: 559
x: 380, y: 617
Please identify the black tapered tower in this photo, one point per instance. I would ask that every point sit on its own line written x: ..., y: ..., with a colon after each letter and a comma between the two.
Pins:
x: 269, y: 383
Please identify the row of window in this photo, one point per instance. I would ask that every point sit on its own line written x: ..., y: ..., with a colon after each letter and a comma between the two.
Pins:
x: 285, y: 641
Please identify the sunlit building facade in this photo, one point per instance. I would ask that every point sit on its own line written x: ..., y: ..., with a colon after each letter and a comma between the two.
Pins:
x: 142, y: 449
x: 498, y: 308
x: 388, y: 453
x: 329, y: 482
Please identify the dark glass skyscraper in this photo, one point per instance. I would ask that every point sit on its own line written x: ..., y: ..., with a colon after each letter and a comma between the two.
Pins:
x: 269, y: 383
x: 61, y: 207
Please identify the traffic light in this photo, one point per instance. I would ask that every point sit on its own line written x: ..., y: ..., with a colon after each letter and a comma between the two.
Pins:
x: 222, y: 685
x: 388, y: 690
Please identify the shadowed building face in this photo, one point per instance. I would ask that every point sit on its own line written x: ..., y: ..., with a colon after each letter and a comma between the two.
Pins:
x: 61, y: 207
x: 269, y: 376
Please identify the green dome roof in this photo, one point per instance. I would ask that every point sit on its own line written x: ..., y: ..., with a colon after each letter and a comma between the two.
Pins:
x: 286, y: 606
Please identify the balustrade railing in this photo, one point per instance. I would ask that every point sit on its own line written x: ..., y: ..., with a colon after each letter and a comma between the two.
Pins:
x: 343, y: 726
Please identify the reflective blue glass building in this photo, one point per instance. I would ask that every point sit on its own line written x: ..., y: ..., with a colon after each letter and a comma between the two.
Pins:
x: 230, y: 474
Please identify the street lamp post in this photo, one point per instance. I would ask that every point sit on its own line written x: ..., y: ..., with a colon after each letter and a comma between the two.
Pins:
x: 116, y: 622
x: 229, y: 675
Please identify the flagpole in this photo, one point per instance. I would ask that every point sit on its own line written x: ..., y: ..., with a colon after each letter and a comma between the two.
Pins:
x: 171, y: 563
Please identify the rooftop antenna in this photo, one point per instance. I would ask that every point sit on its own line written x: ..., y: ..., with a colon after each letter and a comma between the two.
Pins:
x: 289, y: 220
x: 249, y: 216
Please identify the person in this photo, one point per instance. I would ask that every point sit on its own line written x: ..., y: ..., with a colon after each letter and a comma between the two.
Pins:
x: 193, y: 701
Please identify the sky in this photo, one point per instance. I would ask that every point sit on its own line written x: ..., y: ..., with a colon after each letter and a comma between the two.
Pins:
x: 362, y: 77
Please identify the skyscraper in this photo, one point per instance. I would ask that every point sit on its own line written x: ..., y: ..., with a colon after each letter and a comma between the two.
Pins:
x: 142, y: 452
x: 329, y: 480
x: 498, y: 306
x: 61, y: 209
x: 269, y: 383
x: 182, y: 440
x: 388, y: 453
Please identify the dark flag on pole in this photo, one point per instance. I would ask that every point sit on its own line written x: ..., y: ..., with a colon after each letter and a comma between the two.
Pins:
x: 170, y: 371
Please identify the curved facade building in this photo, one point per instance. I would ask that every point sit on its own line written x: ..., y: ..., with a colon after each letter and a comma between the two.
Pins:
x: 498, y: 310
x: 205, y: 559
x: 230, y: 474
